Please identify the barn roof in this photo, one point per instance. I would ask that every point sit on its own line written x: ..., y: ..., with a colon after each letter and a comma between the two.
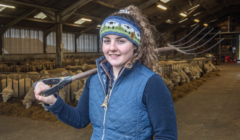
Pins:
x: 206, y: 11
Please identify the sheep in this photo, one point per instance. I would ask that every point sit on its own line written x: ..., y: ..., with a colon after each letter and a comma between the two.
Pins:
x: 211, y: 65
x: 192, y: 74
x: 8, y: 92
x: 5, y: 82
x: 206, y: 68
x: 4, y: 76
x: 35, y: 76
x: 175, y: 77
x: 29, y: 98
x: 75, y: 85
x: 3, y: 68
x: 17, y: 76
x: 79, y: 92
x: 185, y: 75
x: 84, y: 67
x: 183, y: 79
x: 55, y: 71
x: 168, y: 82
x: 73, y: 68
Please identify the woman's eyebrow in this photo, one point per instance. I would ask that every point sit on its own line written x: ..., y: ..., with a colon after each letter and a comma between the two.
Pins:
x: 120, y: 37
x: 106, y: 37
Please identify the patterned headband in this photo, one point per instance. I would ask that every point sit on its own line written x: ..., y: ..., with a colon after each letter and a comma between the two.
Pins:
x: 121, y: 26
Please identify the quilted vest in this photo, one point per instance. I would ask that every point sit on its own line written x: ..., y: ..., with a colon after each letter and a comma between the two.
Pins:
x: 125, y: 117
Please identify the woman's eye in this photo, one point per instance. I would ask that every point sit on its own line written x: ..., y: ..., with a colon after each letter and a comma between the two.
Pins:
x: 106, y: 41
x: 121, y: 41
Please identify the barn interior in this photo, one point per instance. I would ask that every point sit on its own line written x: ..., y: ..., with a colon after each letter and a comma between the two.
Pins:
x: 197, y: 58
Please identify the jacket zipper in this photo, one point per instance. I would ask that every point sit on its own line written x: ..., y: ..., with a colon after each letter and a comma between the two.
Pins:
x: 105, y: 108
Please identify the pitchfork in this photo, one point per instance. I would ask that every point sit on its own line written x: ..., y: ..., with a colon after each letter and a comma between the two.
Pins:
x: 61, y: 82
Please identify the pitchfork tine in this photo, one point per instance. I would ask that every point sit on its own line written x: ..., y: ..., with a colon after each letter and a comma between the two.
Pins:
x: 185, y: 36
x: 191, y: 38
x: 203, y: 43
x: 197, y: 41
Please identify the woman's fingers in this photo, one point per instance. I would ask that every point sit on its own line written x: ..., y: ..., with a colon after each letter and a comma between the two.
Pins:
x: 49, y: 99
x: 39, y: 88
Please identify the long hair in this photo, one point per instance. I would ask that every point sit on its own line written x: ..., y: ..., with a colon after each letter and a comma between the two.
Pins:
x: 149, y: 37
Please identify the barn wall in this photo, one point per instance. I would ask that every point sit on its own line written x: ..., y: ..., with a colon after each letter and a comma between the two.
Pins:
x: 19, y: 57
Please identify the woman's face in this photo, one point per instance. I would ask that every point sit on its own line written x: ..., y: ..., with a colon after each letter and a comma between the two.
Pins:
x: 117, y: 50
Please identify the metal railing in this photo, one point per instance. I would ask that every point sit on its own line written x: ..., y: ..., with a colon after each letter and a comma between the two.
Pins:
x: 6, y: 77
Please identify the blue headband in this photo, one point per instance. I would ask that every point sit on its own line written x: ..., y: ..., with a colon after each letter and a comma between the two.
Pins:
x: 121, y: 26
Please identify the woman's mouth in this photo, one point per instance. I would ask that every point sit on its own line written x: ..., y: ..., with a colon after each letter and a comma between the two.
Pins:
x: 114, y: 56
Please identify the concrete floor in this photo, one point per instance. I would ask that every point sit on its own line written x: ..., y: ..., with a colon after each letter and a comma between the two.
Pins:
x: 210, y: 113
x: 213, y: 111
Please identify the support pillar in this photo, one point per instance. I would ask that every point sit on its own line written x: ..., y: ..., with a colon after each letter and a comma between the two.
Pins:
x: 44, y: 43
x: 220, y: 44
x: 1, y: 45
x: 59, y: 45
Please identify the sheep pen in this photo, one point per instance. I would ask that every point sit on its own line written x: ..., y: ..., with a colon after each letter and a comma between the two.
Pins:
x: 15, y: 107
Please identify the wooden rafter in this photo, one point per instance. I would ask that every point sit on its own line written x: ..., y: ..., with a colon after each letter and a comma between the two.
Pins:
x: 175, y: 13
x: 16, y: 20
x: 66, y: 13
x: 105, y: 4
x: 49, y: 13
x: 148, y: 3
x: 89, y: 16
x: 87, y: 29
x: 28, y: 4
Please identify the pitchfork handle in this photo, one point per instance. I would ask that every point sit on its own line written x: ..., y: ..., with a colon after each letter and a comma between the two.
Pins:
x: 62, y: 82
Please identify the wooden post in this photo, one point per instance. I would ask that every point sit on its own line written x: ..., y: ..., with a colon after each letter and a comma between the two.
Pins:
x: 75, y: 43
x: 1, y: 44
x: 59, y: 45
x: 98, y: 45
x: 44, y: 43
x: 220, y: 44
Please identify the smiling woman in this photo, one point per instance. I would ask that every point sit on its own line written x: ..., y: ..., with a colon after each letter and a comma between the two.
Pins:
x: 117, y: 50
x: 125, y: 99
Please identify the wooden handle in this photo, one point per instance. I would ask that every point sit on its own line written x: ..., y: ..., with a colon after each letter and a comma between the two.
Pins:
x: 84, y: 74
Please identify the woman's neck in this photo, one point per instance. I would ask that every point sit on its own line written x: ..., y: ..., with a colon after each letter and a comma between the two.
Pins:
x: 116, y: 72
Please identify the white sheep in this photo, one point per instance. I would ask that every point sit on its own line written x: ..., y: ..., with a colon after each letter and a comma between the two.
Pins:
x: 29, y: 98
x: 12, y: 89
x: 78, y: 94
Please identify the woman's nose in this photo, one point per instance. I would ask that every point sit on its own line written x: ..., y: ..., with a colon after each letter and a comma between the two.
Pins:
x: 113, y: 46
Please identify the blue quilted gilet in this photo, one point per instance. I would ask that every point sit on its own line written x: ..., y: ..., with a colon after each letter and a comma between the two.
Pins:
x: 126, y: 117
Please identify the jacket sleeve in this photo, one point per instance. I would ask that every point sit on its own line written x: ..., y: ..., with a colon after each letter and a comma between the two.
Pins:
x: 160, y: 107
x: 76, y: 117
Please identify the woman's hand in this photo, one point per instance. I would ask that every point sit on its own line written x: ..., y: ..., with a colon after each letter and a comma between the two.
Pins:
x: 41, y: 87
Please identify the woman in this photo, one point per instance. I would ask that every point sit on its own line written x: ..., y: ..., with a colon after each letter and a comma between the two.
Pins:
x: 125, y: 99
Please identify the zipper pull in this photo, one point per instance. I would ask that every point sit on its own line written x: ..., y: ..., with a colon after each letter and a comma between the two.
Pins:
x: 105, y: 103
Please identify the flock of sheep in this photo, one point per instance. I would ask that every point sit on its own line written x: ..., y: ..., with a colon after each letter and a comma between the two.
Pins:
x: 20, y: 84
x: 182, y: 72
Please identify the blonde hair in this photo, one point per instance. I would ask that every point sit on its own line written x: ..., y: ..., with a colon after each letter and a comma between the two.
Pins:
x: 149, y: 37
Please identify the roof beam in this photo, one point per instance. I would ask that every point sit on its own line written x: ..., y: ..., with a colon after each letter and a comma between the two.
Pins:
x: 44, y: 21
x: 146, y: 4
x: 87, y: 29
x: 176, y: 13
x: 190, y: 3
x: 19, y: 18
x: 28, y: 4
x: 105, y: 4
x: 48, y: 9
x: 47, y: 32
x: 29, y: 19
x: 91, y: 17
x: 49, y: 13
x: 66, y: 13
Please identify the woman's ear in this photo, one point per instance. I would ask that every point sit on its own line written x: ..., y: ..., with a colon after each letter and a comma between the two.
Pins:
x: 135, y: 48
